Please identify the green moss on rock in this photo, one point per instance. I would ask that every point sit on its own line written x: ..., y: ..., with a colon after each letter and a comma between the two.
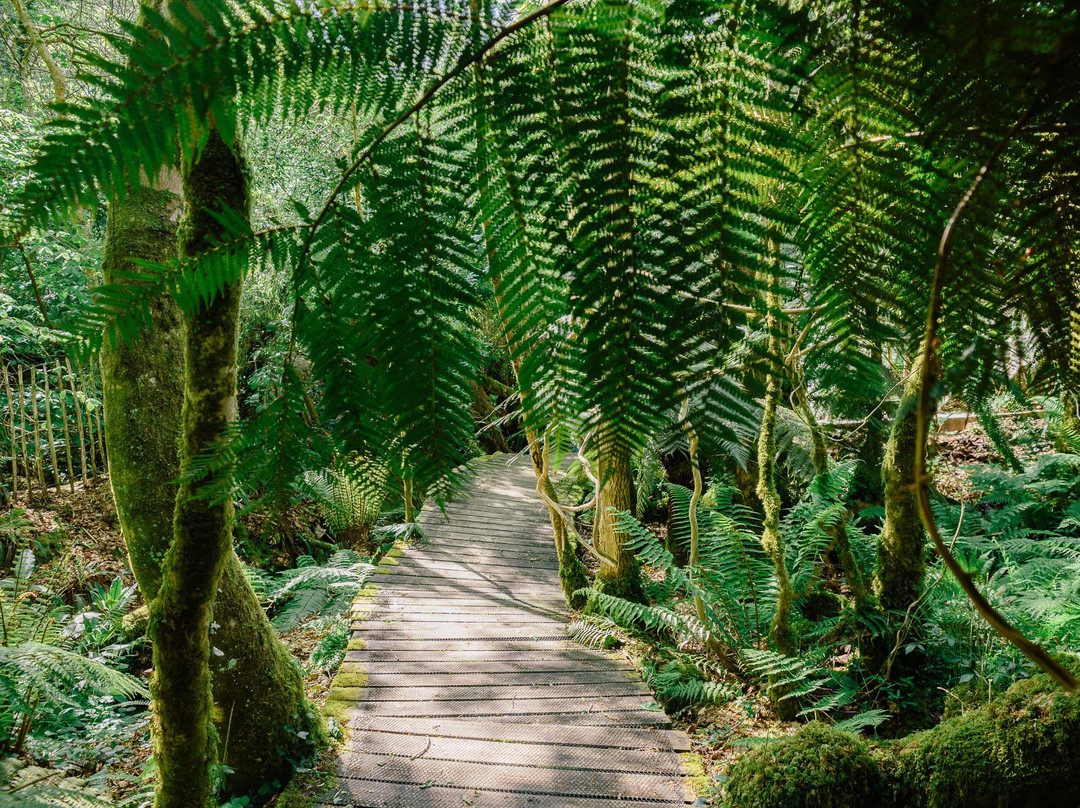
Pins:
x: 1019, y: 749
x: 818, y: 767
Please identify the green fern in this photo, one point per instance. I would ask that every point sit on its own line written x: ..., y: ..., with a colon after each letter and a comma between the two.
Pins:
x: 313, y: 590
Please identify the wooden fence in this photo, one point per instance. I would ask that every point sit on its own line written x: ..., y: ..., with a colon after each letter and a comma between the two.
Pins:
x: 53, y: 429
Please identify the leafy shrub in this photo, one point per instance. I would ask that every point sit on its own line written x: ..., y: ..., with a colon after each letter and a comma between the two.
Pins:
x: 43, y: 668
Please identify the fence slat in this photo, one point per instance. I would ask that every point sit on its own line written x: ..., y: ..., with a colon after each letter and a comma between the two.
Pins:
x: 14, y: 451
x: 67, y: 430
x: 49, y: 426
x: 38, y: 463
x: 22, y: 430
x: 78, y: 420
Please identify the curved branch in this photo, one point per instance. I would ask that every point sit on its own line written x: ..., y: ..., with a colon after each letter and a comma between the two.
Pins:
x: 997, y: 621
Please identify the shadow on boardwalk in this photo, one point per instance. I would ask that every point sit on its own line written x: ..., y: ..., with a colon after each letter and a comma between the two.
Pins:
x: 472, y: 694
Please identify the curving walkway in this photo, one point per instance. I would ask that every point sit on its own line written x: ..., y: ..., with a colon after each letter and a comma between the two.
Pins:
x: 465, y: 690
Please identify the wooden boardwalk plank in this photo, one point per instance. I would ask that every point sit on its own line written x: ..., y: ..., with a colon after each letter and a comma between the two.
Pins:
x: 473, y: 695
x: 555, y: 780
x: 514, y: 753
x: 586, y: 736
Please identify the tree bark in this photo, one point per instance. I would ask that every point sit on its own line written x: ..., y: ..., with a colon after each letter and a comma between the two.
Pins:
x: 620, y: 573
x: 780, y: 632
x: 901, y: 545
x: 820, y: 458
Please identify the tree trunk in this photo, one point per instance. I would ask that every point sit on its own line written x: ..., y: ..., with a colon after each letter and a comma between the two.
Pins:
x: 780, y: 632
x: 820, y: 457
x: 185, y: 741
x: 901, y: 563
x: 571, y: 571
x: 256, y: 686
x: 620, y: 573
x: 781, y: 635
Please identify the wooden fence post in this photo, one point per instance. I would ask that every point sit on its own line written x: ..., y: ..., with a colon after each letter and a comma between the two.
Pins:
x: 38, y: 464
x: 22, y: 435
x: 11, y: 422
x: 49, y: 427
x: 67, y: 431
x: 78, y: 420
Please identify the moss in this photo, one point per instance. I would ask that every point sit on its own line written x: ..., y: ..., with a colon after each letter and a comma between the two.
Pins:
x: 356, y: 644
x: 351, y: 678
x: 901, y: 555
x: 394, y: 552
x: 1020, y: 749
x: 338, y: 711
x: 695, y: 773
x: 367, y: 592
x: 818, y: 767
x: 388, y: 561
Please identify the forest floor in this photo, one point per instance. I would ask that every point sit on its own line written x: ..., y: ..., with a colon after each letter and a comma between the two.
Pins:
x: 76, y: 539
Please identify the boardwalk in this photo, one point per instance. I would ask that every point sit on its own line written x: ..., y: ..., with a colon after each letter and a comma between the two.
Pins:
x: 474, y: 696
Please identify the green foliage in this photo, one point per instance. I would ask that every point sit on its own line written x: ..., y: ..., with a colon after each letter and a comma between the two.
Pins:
x: 679, y: 685
x: 310, y: 590
x: 351, y: 497
x: 44, y: 661
x: 1019, y: 537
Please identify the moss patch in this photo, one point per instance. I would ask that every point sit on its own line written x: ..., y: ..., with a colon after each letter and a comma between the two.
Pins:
x: 695, y: 773
x: 818, y: 767
x: 1019, y: 749
x: 351, y: 678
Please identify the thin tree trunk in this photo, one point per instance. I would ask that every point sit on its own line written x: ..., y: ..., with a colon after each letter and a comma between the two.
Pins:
x: 59, y: 85
x: 901, y: 545
x: 67, y: 428
x: 820, y: 457
x: 780, y: 632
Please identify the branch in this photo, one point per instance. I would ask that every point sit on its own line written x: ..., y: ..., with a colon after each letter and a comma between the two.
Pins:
x: 34, y: 285
x: 59, y: 84
x: 997, y: 621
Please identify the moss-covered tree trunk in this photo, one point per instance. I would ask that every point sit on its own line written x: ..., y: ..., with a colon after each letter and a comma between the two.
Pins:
x: 185, y: 740
x: 571, y: 571
x: 258, y: 691
x: 780, y: 632
x: 901, y: 561
x: 620, y: 572
x: 820, y: 458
